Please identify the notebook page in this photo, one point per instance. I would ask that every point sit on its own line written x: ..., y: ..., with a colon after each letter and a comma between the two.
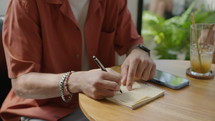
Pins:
x: 141, y: 92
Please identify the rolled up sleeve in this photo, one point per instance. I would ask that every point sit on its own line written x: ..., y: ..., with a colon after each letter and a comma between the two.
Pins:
x: 22, y: 39
x: 126, y: 33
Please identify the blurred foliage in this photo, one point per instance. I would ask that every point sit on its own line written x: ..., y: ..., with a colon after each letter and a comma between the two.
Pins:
x: 172, y: 35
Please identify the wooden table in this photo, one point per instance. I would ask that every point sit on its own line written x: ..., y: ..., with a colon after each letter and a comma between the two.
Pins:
x: 193, y: 103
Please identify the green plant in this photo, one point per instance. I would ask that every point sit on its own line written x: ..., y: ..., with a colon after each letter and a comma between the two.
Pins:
x: 172, y: 35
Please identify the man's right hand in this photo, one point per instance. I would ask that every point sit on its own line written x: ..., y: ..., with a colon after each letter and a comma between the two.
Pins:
x: 95, y: 83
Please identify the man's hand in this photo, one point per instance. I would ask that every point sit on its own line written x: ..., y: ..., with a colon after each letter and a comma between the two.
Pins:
x: 95, y: 83
x: 139, y: 66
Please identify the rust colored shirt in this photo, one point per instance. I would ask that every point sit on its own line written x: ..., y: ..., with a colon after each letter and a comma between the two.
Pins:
x: 43, y: 36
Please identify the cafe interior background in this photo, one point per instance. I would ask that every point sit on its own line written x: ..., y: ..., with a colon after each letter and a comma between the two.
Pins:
x: 164, y: 24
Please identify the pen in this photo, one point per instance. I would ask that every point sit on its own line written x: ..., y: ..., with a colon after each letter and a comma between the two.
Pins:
x: 101, y: 66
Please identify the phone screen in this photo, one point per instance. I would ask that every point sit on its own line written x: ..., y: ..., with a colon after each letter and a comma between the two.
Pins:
x: 170, y: 80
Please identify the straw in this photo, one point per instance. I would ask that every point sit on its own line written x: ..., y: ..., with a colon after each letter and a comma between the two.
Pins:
x: 209, y: 33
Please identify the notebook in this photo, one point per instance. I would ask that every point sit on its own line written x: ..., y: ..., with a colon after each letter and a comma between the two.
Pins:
x: 141, y: 94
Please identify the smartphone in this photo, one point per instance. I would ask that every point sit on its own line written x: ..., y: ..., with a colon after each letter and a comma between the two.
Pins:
x: 169, y: 80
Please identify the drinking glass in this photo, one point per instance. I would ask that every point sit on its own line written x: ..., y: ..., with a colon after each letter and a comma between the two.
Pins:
x: 201, y: 50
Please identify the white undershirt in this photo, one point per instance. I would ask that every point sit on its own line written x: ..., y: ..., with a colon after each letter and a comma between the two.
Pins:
x: 80, y: 10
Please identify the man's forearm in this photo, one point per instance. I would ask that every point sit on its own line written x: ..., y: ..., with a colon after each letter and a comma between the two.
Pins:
x: 37, y: 85
x: 94, y: 83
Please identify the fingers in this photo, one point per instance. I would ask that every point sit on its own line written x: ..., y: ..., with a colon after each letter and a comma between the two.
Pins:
x: 104, y: 88
x: 146, y: 72
x: 108, y: 85
x: 104, y: 84
x: 131, y: 74
x: 113, y: 76
x: 137, y: 66
x: 153, y: 70
x: 101, y: 93
x: 142, y: 67
x: 124, y: 71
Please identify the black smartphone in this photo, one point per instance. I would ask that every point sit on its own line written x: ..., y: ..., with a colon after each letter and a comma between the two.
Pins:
x: 169, y: 80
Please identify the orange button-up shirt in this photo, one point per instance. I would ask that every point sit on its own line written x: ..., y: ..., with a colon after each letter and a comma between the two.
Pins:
x: 43, y: 36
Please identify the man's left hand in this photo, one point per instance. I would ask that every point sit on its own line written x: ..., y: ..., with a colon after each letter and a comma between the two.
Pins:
x: 139, y: 66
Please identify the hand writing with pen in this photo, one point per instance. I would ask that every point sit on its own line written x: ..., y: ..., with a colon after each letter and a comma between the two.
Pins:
x: 99, y: 84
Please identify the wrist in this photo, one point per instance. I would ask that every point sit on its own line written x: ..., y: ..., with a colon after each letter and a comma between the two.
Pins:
x: 73, y: 83
x: 140, y: 47
x: 63, y: 86
x: 143, y: 48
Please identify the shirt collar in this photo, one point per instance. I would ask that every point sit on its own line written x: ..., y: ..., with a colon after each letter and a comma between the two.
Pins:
x: 94, y: 5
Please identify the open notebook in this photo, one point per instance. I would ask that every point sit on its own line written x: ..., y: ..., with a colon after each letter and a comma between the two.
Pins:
x: 141, y: 94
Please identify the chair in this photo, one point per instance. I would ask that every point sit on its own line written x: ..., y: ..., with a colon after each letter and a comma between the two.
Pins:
x: 5, y: 84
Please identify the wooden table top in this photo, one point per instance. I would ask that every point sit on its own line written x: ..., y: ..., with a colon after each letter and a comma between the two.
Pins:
x: 193, y: 103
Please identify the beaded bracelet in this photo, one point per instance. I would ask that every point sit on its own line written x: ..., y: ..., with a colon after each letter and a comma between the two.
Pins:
x: 62, y: 87
x: 67, y: 85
